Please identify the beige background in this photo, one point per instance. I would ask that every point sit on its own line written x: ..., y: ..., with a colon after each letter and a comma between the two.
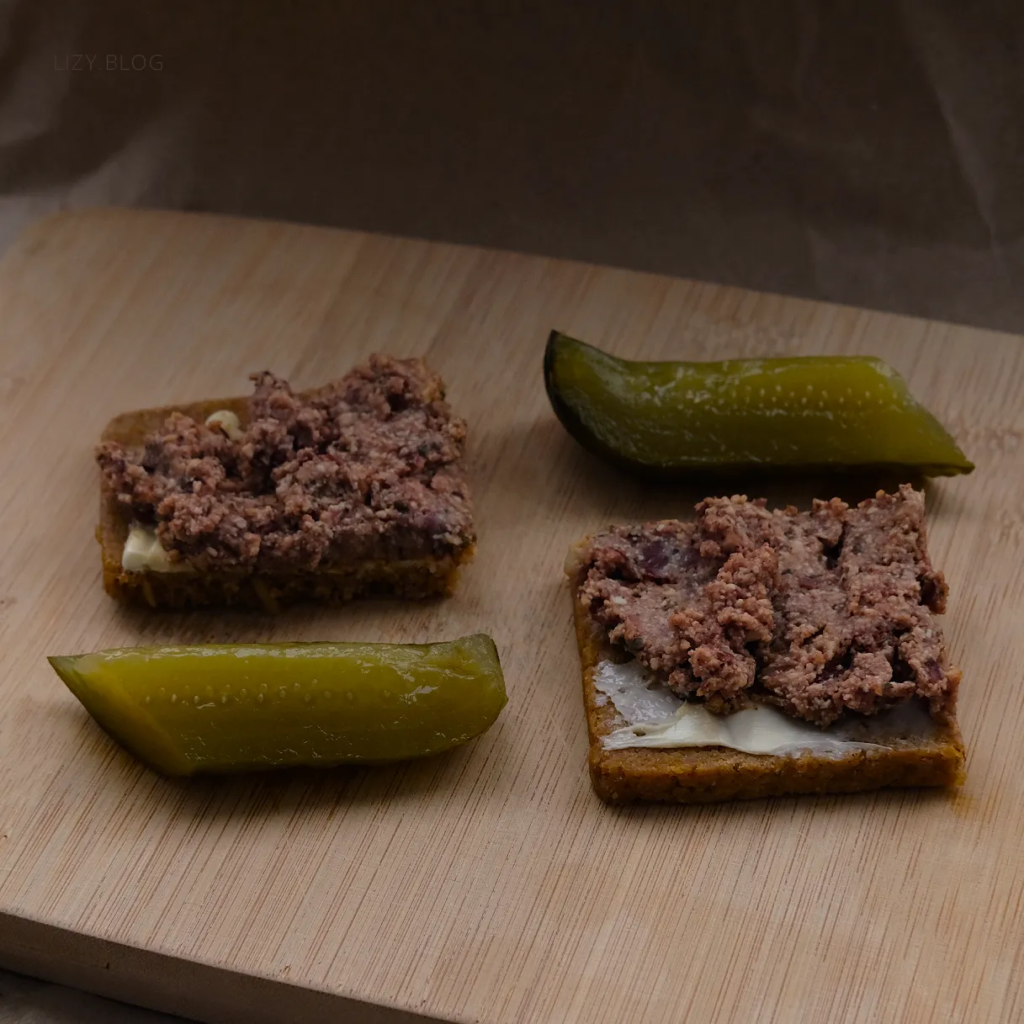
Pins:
x: 871, y: 156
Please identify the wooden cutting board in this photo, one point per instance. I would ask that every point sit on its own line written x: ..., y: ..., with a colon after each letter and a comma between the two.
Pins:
x: 489, y: 884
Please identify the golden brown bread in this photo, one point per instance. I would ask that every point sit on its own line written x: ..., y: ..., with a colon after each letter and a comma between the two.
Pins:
x: 714, y: 774
x: 413, y: 578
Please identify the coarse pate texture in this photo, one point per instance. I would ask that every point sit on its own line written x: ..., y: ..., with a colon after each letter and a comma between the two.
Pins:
x: 366, y: 467
x: 818, y: 612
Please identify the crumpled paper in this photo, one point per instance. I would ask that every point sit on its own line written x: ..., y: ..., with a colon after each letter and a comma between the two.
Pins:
x: 868, y: 153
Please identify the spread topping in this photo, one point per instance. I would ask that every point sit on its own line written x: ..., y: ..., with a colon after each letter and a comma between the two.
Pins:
x: 367, y: 467
x: 816, y: 612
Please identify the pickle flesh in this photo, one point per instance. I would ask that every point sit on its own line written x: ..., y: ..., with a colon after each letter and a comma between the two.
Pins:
x: 184, y: 710
x: 670, y: 419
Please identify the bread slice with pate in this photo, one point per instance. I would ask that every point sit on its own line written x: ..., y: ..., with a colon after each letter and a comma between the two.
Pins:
x: 751, y: 653
x: 353, y: 489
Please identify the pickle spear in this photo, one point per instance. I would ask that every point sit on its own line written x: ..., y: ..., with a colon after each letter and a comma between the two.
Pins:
x: 666, y: 420
x: 230, y: 708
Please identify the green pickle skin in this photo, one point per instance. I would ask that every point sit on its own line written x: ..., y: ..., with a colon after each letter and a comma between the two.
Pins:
x: 669, y: 419
x: 185, y: 710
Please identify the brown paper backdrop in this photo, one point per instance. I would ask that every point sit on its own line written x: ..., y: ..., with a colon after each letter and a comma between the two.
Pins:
x: 869, y: 153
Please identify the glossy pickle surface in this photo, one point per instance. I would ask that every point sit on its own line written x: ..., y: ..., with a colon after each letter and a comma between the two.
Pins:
x: 668, y: 419
x: 227, y: 708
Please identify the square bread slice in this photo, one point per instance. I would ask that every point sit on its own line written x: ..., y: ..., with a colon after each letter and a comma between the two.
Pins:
x: 413, y: 578
x: 717, y: 774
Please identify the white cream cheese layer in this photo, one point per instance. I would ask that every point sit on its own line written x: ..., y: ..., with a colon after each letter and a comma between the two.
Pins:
x: 143, y: 552
x: 226, y: 421
x: 653, y: 716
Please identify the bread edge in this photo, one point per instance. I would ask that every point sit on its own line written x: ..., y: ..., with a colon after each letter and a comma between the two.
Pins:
x: 717, y: 774
x: 415, y: 579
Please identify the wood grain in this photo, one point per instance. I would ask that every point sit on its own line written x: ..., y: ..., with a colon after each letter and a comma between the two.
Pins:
x: 489, y: 884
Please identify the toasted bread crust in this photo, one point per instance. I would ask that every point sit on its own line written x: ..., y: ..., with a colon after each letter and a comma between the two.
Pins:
x: 716, y: 774
x: 412, y: 578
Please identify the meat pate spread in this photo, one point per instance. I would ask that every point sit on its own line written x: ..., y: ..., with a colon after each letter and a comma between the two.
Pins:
x: 817, y: 612
x: 367, y: 467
